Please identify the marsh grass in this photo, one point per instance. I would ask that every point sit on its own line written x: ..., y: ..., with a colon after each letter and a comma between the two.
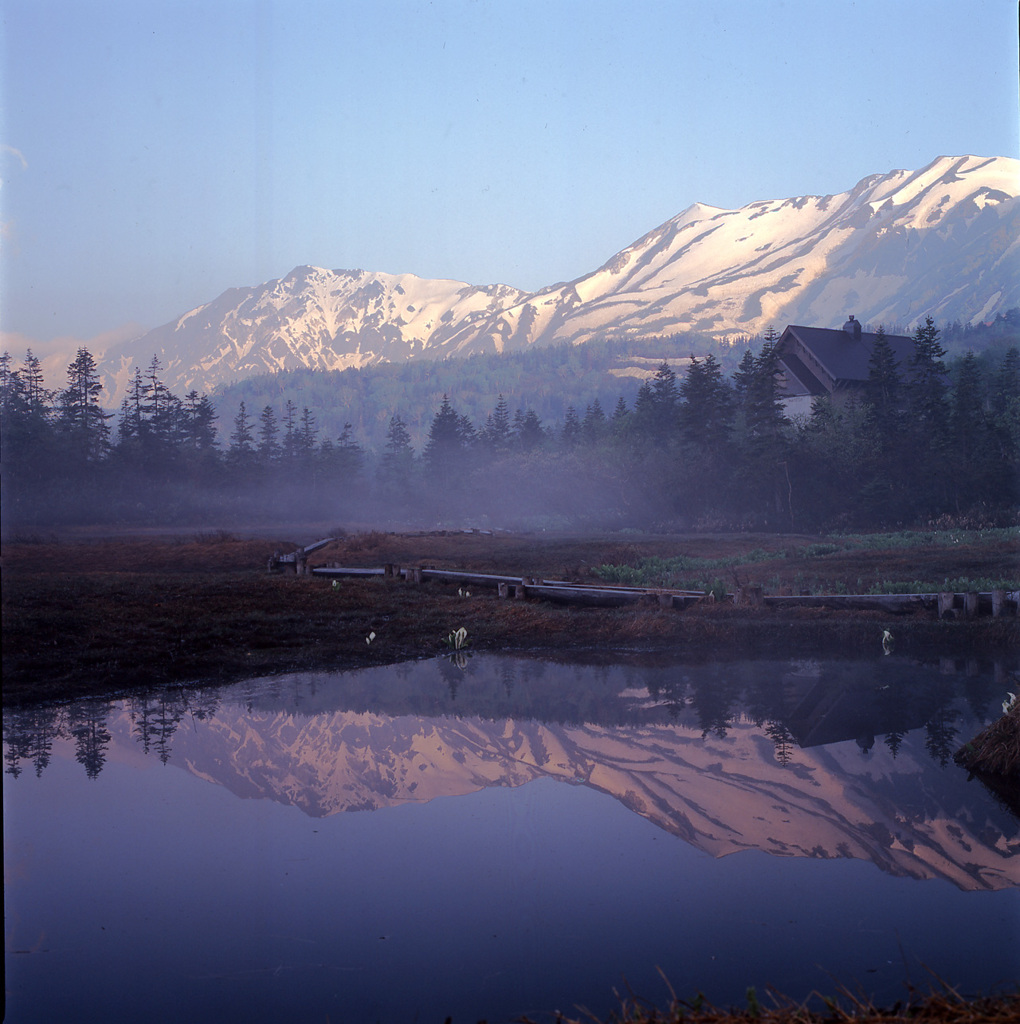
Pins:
x: 81, y: 617
x: 940, y: 1004
x: 842, y: 564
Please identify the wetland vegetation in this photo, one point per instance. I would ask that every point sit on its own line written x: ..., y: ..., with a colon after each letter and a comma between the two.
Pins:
x: 84, y: 613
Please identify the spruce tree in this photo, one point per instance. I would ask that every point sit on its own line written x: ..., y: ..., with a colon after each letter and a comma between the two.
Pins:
x: 883, y: 390
x: 241, y: 439
x: 706, y: 405
x: 928, y: 387
x: 269, y: 436
x: 444, y: 450
x: 397, y: 461
x: 82, y: 418
x: 571, y: 432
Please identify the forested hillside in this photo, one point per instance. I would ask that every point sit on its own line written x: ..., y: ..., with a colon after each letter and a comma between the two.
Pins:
x: 546, y: 379
x: 570, y: 437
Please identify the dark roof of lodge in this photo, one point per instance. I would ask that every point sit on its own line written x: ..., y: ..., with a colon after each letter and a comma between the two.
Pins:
x: 843, y: 357
x: 794, y: 365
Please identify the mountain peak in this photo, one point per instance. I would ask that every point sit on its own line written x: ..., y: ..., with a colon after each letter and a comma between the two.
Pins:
x: 893, y: 249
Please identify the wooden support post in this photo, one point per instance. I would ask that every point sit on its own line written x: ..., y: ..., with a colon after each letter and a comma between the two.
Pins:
x: 520, y: 591
x: 414, y: 574
x: 387, y: 569
x: 750, y: 597
x: 946, y: 605
x: 503, y: 590
x: 998, y: 603
x: 665, y: 600
x: 970, y: 605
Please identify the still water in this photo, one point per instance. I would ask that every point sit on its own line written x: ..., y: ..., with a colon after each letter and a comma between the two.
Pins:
x: 492, y: 837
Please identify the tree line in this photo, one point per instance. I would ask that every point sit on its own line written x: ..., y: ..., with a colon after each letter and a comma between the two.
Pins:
x: 700, y: 449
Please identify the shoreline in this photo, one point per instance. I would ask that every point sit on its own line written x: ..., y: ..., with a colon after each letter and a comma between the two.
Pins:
x: 90, y: 617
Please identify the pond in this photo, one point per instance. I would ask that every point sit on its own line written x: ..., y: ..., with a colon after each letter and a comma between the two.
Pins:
x: 491, y: 837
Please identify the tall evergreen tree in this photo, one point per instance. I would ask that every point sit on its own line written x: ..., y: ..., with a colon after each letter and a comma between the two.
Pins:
x: 761, y: 435
x: 397, y: 461
x: 198, y: 427
x: 883, y: 390
x: 594, y: 424
x: 82, y: 418
x: 972, y: 451
x: 531, y: 434
x: 307, y: 433
x: 269, y: 436
x: 706, y: 405
x: 291, y: 442
x: 444, y: 449
x: 928, y: 405
x: 496, y: 436
x: 571, y: 432
x: 37, y: 397
x: 928, y: 381
x: 242, y: 441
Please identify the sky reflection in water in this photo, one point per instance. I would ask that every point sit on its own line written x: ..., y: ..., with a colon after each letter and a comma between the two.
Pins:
x: 530, y: 835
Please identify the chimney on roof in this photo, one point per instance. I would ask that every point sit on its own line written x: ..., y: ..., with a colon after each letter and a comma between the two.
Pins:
x: 853, y: 328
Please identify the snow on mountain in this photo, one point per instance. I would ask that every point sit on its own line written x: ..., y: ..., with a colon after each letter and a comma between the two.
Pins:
x: 322, y: 319
x: 941, y: 241
x: 720, y: 796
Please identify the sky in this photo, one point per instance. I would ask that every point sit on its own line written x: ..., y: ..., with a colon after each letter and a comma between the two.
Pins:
x: 154, y: 153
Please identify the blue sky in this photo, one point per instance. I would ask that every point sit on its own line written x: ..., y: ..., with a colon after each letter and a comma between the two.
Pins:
x: 155, y: 152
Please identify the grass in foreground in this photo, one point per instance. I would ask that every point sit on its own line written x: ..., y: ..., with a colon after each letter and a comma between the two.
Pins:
x: 944, y: 1006
x: 82, y: 617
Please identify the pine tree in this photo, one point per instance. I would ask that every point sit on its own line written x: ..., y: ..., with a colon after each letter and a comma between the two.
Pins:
x: 133, y: 426
x: 883, y: 390
x: 199, y: 422
x: 37, y: 397
x: 593, y: 426
x: 444, y: 450
x: 307, y: 433
x: 291, y: 445
x: 761, y: 435
x: 158, y: 406
x: 241, y: 440
x: 82, y: 418
x: 531, y: 434
x: 706, y: 405
x: 971, y: 443
x: 496, y: 435
x: 571, y: 433
x: 928, y: 387
x: 269, y: 434
x: 397, y: 461
x: 927, y: 394
x: 349, y: 454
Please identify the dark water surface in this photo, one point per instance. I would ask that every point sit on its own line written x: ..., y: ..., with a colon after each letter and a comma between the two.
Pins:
x: 503, y: 837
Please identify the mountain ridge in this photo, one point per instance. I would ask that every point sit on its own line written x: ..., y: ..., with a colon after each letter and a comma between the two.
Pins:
x: 940, y: 241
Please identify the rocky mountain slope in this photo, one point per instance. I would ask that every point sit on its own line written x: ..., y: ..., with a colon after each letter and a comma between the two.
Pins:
x: 942, y: 241
x: 721, y: 796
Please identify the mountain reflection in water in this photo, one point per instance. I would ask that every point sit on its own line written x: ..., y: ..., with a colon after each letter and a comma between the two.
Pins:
x: 541, y: 834
x: 726, y: 756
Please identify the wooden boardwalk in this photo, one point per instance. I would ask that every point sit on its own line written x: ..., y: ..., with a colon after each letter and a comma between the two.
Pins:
x: 945, y: 605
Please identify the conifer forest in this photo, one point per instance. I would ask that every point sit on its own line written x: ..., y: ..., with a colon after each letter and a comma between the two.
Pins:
x: 692, y: 446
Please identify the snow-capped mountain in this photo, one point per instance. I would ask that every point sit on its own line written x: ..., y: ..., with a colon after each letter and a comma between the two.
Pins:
x: 720, y: 796
x: 943, y: 241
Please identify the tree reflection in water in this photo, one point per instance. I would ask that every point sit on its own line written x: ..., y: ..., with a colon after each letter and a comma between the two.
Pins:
x: 794, y: 703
